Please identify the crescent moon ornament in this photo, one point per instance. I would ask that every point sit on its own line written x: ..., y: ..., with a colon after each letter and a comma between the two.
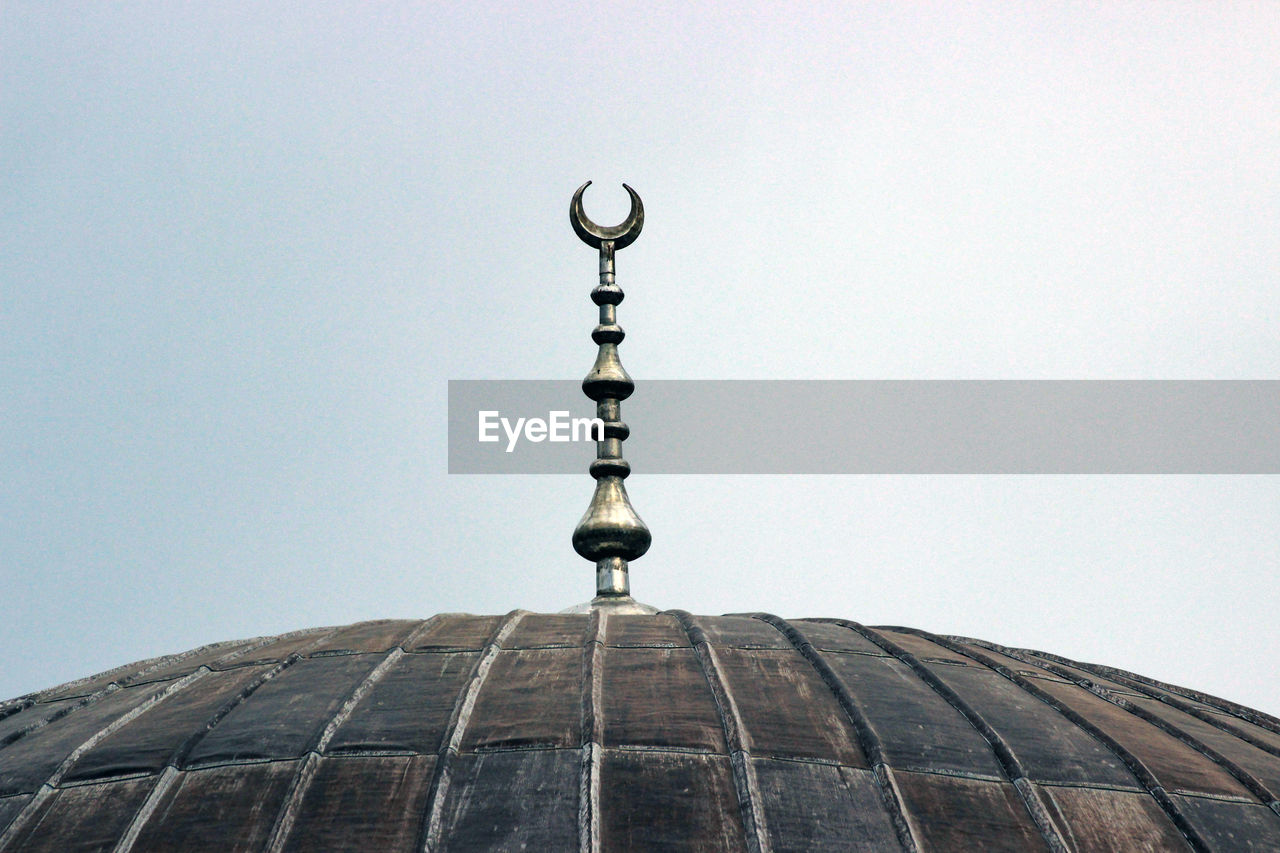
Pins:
x: 594, y: 235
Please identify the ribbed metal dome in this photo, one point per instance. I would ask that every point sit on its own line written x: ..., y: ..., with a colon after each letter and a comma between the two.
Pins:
x: 625, y: 732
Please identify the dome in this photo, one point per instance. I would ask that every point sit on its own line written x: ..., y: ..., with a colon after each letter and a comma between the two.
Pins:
x: 624, y: 731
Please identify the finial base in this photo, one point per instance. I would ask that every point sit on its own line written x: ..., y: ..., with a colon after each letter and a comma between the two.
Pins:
x: 612, y: 577
x: 621, y: 605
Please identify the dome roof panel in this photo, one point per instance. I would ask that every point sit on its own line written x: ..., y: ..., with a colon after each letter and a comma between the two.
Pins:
x: 955, y: 813
x: 214, y: 809
x: 454, y: 632
x: 1231, y: 825
x: 512, y: 800
x: 662, y: 800
x: 11, y: 807
x: 785, y: 709
x: 1050, y: 747
x: 48, y: 748
x: 661, y: 631
x: 286, y: 713
x: 360, y: 803
x: 408, y: 708
x: 915, y: 728
x: 565, y: 630
x: 365, y: 637
x: 88, y: 817
x: 636, y: 707
x: 828, y: 637
x: 1104, y: 819
x: 530, y: 698
x: 150, y: 742
x: 1177, y: 765
x: 823, y: 807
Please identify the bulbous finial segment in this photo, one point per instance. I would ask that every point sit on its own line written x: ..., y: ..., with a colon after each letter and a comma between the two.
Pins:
x: 610, y: 526
x: 610, y: 533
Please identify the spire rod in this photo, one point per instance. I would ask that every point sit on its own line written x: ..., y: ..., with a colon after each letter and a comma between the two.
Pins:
x: 610, y: 533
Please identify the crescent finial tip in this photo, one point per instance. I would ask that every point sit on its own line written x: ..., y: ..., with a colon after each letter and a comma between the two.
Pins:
x: 593, y: 234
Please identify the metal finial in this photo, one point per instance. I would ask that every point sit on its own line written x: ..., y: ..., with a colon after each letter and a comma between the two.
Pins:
x: 610, y: 533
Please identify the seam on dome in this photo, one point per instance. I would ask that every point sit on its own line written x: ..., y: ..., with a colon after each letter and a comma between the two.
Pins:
x: 459, y: 718
x: 147, y: 809
x: 1008, y: 760
x: 302, y: 779
x: 46, y: 790
x: 1233, y: 709
x: 1252, y: 784
x: 745, y: 782
x: 868, y: 738
x: 137, y: 679
x: 1209, y: 716
x: 671, y: 750
x: 645, y: 646
x: 1135, y: 765
x: 592, y: 734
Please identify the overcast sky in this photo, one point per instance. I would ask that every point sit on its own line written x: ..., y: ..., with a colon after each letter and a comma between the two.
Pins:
x: 244, y: 246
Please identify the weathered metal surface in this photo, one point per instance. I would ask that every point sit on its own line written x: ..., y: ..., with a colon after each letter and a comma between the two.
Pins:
x: 550, y: 630
x: 637, y: 690
x: 1105, y: 821
x: 90, y: 817
x: 638, y: 631
x: 26, y: 763
x: 1051, y: 747
x: 455, y: 632
x: 147, y: 744
x: 1232, y: 826
x: 918, y: 729
x: 10, y: 807
x: 669, y: 801
x: 617, y: 732
x: 511, y: 801
x: 1177, y: 765
x: 23, y: 717
x: 362, y: 803
x: 530, y: 699
x: 836, y: 638
x: 792, y: 713
x: 218, y: 809
x: 380, y: 636
x: 950, y: 813
x: 409, y: 708
x: 742, y: 633
x: 286, y: 714
x: 812, y: 807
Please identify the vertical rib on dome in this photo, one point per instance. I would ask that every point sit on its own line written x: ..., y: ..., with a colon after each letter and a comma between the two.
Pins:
x: 592, y: 734
x: 744, y: 776
x: 457, y: 728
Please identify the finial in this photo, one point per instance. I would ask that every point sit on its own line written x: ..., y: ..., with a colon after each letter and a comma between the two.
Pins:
x: 610, y: 533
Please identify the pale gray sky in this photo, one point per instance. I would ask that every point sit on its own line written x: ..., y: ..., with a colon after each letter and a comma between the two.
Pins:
x: 243, y: 247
